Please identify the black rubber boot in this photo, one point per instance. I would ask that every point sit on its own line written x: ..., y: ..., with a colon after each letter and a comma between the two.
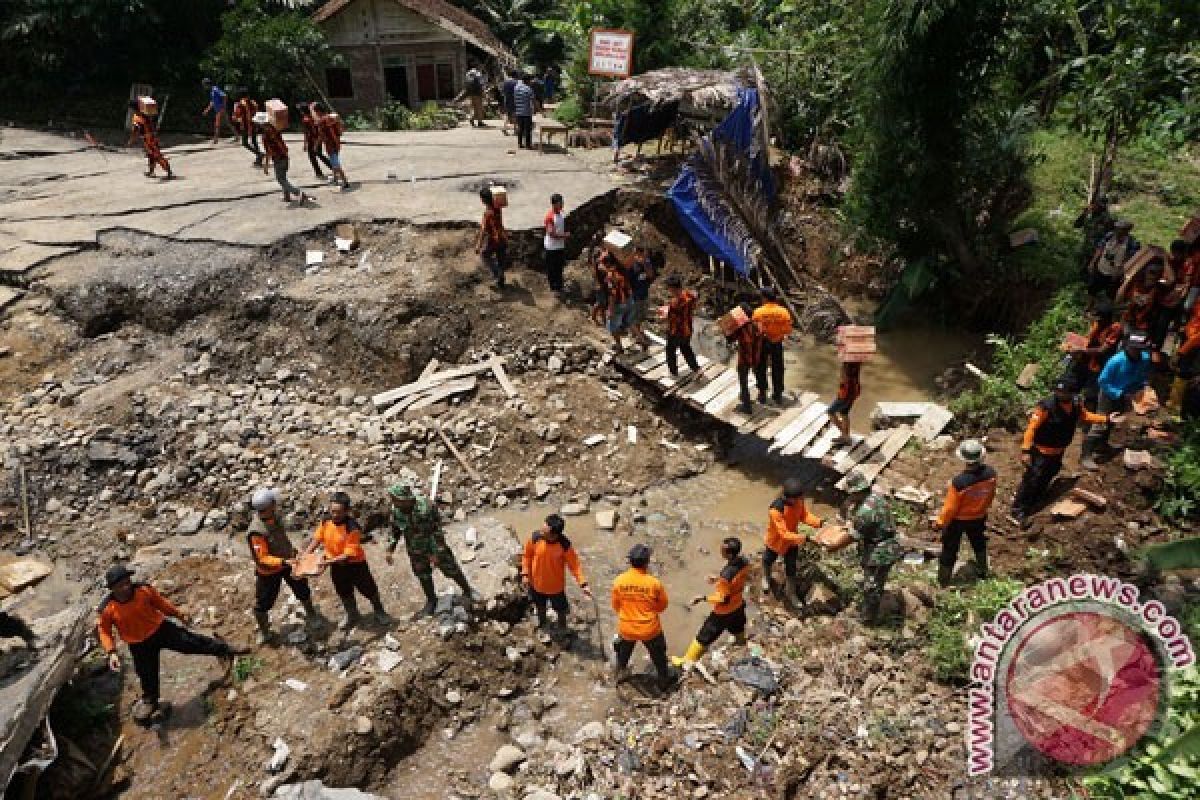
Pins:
x: 352, y: 617
x: 263, y: 620
x: 430, y: 596
x: 472, y: 597
x: 945, y: 575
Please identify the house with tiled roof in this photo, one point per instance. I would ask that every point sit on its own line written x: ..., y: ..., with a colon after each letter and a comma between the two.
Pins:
x: 406, y: 51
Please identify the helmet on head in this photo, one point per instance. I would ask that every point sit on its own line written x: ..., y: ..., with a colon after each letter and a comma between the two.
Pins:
x: 971, y: 451
x: 264, y: 499
x: 116, y: 574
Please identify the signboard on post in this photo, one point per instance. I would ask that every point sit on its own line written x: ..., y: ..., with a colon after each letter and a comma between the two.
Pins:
x: 611, y: 53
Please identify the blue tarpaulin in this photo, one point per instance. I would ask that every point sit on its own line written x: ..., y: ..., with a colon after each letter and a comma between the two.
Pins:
x: 738, y: 129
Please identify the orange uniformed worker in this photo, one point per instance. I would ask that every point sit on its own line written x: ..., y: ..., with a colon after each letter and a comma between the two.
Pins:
x: 638, y: 598
x: 274, y: 558
x: 1051, y: 428
x: 728, y: 607
x: 143, y: 126
x: 139, y: 614
x: 784, y: 539
x: 775, y: 322
x: 548, y: 555
x: 968, y: 499
x: 341, y: 537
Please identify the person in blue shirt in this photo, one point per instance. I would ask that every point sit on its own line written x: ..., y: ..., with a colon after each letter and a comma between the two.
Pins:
x: 524, y: 105
x: 217, y: 103
x: 1123, y: 376
x: 550, y: 84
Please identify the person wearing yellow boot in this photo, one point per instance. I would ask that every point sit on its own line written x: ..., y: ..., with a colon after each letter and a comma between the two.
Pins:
x: 728, y: 607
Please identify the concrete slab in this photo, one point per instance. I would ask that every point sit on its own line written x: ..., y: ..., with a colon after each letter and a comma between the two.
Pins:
x: 64, y: 199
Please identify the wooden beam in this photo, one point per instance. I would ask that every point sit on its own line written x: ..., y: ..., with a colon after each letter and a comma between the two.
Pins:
x: 871, y: 467
x: 466, y: 465
x: 385, y: 399
x: 502, y: 379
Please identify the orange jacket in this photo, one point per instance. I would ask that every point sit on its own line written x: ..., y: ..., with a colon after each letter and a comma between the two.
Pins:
x: 545, y: 563
x: 343, y: 539
x: 773, y: 320
x: 638, y: 598
x: 783, y: 521
x: 135, y: 620
x: 1050, y: 414
x: 969, y: 496
x: 1191, y: 332
x: 726, y: 596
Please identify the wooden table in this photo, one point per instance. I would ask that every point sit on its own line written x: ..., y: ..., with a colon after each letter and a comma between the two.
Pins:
x: 548, y: 129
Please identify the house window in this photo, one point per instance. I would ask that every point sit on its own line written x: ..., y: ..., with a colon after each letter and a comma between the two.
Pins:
x: 445, y: 82
x: 340, y: 82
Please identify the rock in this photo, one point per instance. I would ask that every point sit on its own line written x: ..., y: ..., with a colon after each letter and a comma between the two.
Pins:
x: 554, y: 364
x: 507, y: 759
x: 345, y: 396
x: 574, y: 509
x: 53, y: 506
x: 593, y: 730
x: 606, y: 520
x: 344, y: 659
x: 190, y: 523
x: 538, y: 793
x: 453, y: 697
x: 388, y: 661
x: 316, y: 790
x: 553, y: 432
x: 500, y: 782
x: 363, y: 725
x: 1139, y: 459
x: 595, y: 439
x: 104, y: 452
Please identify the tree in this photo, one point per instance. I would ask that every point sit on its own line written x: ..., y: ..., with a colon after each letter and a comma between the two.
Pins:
x: 279, y: 54
x: 942, y: 152
x: 515, y: 23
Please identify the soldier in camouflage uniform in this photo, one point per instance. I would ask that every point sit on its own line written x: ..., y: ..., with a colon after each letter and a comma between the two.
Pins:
x: 416, y: 520
x: 874, y: 528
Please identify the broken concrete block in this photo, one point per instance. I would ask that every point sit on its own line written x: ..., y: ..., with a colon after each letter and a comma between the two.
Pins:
x: 594, y: 439
x: 606, y: 520
x: 507, y: 759
x: 1139, y: 459
x: 1068, y: 508
x: 573, y: 509
x: 17, y: 575
x: 1096, y: 501
x: 1028, y: 375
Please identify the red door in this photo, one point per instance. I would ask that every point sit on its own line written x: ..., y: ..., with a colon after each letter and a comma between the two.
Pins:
x: 426, y: 82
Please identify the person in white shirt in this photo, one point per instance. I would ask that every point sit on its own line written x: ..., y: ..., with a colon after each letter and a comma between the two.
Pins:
x: 555, y: 243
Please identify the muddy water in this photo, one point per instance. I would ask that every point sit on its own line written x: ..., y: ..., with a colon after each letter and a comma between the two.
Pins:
x: 684, y: 522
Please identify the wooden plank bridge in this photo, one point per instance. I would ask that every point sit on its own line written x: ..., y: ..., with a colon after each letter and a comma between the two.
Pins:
x: 801, y: 428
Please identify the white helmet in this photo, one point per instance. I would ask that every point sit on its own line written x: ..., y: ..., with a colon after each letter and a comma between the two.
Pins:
x: 264, y: 499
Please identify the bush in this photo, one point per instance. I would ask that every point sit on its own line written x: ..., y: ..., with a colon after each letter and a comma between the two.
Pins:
x: 570, y: 111
x: 958, y: 614
x: 1181, y: 484
x: 998, y: 400
x: 429, y: 117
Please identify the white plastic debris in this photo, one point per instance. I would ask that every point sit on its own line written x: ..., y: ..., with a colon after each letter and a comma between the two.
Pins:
x: 280, y: 756
x: 631, y: 434
x: 296, y: 685
x: 314, y: 257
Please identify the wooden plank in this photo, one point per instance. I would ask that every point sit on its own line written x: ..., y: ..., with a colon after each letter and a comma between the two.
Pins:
x: 861, y: 450
x: 442, y: 392
x: 658, y: 373
x: 815, y: 419
x: 402, y: 405
x: 724, y: 399
x: 502, y: 378
x: 466, y: 465
x: 932, y: 423
x: 656, y: 360
x: 901, y: 410
x: 385, y: 399
x: 786, y: 416
x: 694, y: 380
x: 430, y: 368
x: 873, y: 465
x: 821, y: 446
x: 840, y: 450
x: 762, y: 416
x: 713, y: 388
x: 800, y: 423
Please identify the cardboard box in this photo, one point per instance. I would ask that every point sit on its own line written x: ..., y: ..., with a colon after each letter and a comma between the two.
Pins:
x: 277, y: 111
x: 834, y: 538
x: 148, y: 106
x: 733, y: 321
x: 499, y: 196
x: 847, y: 333
x: 620, y: 244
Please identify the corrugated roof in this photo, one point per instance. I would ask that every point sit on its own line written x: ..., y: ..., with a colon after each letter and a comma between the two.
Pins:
x: 447, y: 16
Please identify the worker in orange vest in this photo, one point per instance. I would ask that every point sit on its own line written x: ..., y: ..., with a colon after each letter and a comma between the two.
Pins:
x: 728, y: 606
x: 638, y: 598
x: 784, y: 540
x: 142, y: 125
x: 340, y: 536
x: 547, y: 556
x: 964, y: 512
x: 775, y: 322
x: 140, y: 616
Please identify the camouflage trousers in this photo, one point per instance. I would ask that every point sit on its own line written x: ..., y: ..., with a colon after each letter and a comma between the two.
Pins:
x: 423, y: 560
x: 874, y: 578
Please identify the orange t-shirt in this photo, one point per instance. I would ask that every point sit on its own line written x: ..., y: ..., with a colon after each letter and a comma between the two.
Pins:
x: 783, y: 521
x: 136, y: 620
x: 638, y: 598
x: 545, y: 564
x: 344, y: 539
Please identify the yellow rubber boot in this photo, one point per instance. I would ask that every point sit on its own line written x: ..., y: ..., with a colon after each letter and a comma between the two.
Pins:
x: 1175, y: 398
x: 694, y: 652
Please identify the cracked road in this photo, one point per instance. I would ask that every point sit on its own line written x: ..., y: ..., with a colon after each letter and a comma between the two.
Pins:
x: 56, y: 194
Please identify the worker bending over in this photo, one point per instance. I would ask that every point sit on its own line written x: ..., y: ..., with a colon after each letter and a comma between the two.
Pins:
x: 728, y: 608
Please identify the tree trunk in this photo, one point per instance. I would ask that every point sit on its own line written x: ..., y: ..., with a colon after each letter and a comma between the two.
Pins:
x: 1104, y: 180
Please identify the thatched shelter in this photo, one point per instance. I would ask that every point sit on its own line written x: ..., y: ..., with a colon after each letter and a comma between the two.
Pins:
x: 701, y: 89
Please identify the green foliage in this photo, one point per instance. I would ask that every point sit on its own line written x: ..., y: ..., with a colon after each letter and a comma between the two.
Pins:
x: 245, y: 666
x: 1168, y: 768
x: 944, y: 151
x: 514, y: 23
x: 570, y: 111
x: 1180, y: 496
x: 429, y: 117
x: 78, y: 711
x: 958, y: 613
x: 998, y: 400
x: 270, y: 54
